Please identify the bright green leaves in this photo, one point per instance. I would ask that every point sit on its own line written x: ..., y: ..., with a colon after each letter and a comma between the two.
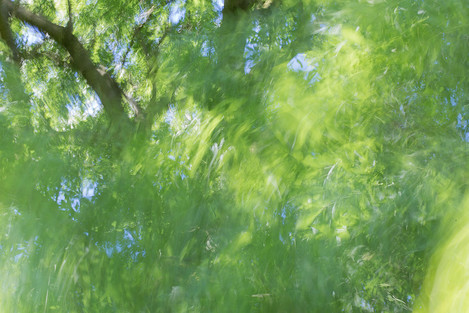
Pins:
x: 449, y: 264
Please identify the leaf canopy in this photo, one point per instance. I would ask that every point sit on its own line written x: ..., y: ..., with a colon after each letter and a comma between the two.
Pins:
x: 249, y: 156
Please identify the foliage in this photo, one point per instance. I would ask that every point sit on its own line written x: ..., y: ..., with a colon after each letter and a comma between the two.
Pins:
x: 290, y: 156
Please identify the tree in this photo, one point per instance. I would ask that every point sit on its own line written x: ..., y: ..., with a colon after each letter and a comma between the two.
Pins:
x: 256, y: 156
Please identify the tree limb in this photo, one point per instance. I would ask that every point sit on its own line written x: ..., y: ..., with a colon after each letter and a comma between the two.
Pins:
x: 233, y: 6
x: 137, y: 30
x: 109, y: 92
x: 5, y: 31
x: 70, y: 18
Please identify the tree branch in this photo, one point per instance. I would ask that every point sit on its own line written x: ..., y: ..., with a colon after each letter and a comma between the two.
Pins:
x: 109, y: 92
x: 233, y: 6
x: 70, y: 18
x: 137, y: 30
x: 5, y: 31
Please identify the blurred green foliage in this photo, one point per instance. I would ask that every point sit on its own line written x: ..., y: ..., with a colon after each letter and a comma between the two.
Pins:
x: 310, y: 156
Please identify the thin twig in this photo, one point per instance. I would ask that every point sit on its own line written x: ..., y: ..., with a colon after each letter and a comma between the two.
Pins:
x: 70, y: 20
x: 137, y: 30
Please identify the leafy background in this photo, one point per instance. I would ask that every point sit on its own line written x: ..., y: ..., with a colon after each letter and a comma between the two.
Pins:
x: 305, y: 156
